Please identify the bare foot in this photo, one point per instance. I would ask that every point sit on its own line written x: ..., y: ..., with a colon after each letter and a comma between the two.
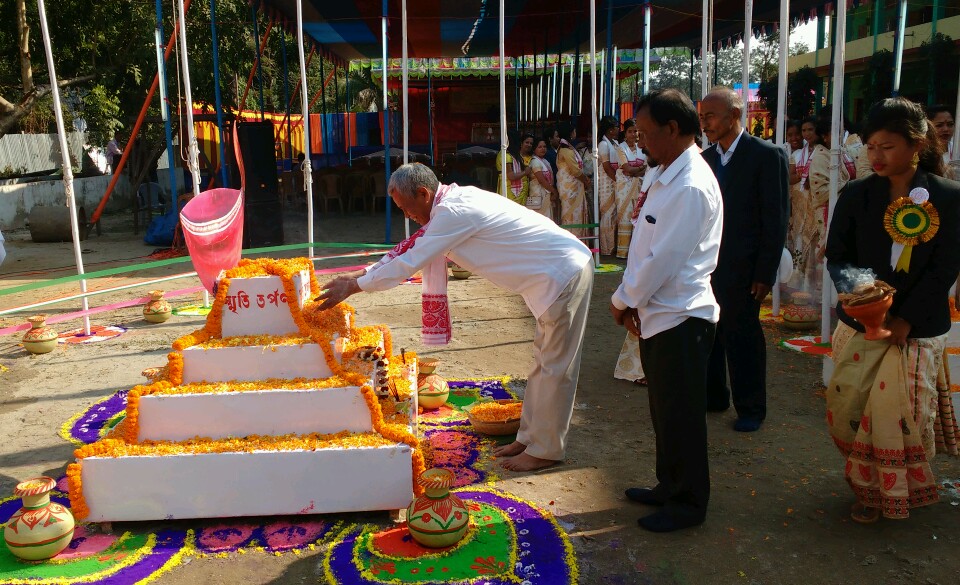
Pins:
x: 514, y: 448
x: 526, y: 462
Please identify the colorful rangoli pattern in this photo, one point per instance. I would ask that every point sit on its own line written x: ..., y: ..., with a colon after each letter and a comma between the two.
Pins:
x: 510, y: 540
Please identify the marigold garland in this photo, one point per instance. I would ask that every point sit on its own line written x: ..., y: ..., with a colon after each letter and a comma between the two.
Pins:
x: 322, y: 327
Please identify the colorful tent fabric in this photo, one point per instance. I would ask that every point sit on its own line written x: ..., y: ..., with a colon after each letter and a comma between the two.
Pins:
x: 352, y: 30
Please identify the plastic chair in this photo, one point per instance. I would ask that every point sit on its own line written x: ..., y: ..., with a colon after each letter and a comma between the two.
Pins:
x: 379, y: 190
x: 149, y: 199
x: 485, y: 177
x: 358, y: 186
x: 329, y: 187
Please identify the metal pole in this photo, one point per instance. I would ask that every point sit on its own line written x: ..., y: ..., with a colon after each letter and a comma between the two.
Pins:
x: 386, y: 119
x: 286, y: 93
x: 256, y: 38
x: 898, y: 52
x: 516, y: 93
x: 405, y: 69
x: 433, y: 159
x: 747, y: 35
x: 503, y: 103
x: 782, y: 108
x: 67, y: 163
x: 216, y: 90
x: 594, y: 130
x: 193, y: 151
x: 607, y: 105
x: 305, y: 105
x: 704, y: 51
x: 646, y: 47
x: 346, y: 113
x: 836, y: 132
x: 165, y: 107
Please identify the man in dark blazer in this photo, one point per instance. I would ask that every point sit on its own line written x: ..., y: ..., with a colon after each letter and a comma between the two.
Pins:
x: 754, y: 180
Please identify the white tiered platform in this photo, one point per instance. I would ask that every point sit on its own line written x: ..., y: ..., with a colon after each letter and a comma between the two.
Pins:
x: 261, y: 483
x: 245, y: 482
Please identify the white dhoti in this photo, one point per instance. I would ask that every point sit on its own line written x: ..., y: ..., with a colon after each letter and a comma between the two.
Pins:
x: 552, y: 385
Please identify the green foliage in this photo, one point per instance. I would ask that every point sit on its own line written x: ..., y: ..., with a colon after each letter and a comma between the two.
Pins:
x: 880, y: 77
x: 8, y: 172
x: 940, y: 54
x: 801, y: 93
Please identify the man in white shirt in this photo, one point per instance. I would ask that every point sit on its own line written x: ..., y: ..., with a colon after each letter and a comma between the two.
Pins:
x: 515, y: 248
x: 666, y: 299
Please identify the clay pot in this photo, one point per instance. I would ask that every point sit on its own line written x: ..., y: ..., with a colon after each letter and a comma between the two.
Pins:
x: 41, y: 528
x: 801, y: 314
x: 157, y: 310
x: 427, y: 365
x: 432, y: 391
x: 871, y: 316
x: 460, y: 273
x: 40, y: 338
x: 438, y: 518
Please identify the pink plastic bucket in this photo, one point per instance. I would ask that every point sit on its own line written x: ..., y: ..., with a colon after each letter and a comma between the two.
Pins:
x: 213, y: 229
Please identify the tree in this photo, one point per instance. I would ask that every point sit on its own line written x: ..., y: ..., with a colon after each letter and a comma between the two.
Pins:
x: 801, y: 93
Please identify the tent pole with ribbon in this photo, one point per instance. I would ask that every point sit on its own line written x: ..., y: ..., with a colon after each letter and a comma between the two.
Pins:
x: 898, y: 41
x: 67, y: 163
x: 405, y: 73
x: 216, y: 92
x: 307, y: 165
x: 781, y: 110
x: 193, y: 151
x: 836, y: 133
x: 386, y: 121
x: 594, y: 130
x: 503, y: 104
x: 747, y: 36
x: 646, y: 47
x: 165, y: 106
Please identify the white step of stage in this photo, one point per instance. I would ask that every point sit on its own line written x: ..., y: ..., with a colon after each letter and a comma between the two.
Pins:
x: 254, y: 362
x: 258, y: 305
x: 218, y: 415
x: 262, y: 483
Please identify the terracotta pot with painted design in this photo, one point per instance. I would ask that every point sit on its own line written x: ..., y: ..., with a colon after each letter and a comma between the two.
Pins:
x: 41, y: 528
x: 40, y: 338
x: 438, y: 518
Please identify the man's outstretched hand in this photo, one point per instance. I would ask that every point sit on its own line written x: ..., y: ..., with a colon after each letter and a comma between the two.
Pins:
x: 337, y: 290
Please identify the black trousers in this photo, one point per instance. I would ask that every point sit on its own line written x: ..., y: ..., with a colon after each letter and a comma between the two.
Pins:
x: 740, y: 347
x: 675, y: 363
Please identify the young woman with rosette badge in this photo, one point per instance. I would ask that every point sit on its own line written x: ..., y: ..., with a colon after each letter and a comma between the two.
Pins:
x: 888, y: 403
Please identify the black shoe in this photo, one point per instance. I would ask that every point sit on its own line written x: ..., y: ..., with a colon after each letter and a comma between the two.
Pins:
x: 747, y: 425
x: 718, y: 407
x: 647, y: 496
x: 663, y: 521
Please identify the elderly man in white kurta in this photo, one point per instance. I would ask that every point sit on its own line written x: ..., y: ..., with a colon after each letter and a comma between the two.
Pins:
x: 515, y: 248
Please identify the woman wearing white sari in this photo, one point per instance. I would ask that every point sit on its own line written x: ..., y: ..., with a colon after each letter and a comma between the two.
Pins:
x: 543, y: 193
x: 607, y: 177
x: 633, y: 164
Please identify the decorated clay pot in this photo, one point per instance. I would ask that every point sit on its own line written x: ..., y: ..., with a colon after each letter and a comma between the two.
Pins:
x: 157, y: 310
x: 41, y: 528
x: 427, y: 365
x: 40, y: 338
x: 432, y: 391
x: 801, y: 314
x: 871, y: 316
x: 437, y: 518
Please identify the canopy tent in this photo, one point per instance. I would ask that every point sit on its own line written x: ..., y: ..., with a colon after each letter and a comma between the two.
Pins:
x: 352, y: 30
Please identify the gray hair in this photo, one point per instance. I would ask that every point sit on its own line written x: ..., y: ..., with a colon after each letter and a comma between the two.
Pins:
x: 410, y: 177
x: 729, y: 97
